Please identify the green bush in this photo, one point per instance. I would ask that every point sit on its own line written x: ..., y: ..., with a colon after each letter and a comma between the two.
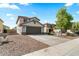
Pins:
x: 75, y: 27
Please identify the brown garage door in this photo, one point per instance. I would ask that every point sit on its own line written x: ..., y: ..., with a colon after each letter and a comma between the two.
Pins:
x: 33, y: 30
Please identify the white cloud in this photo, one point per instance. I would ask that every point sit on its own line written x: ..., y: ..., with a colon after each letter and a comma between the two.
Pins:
x: 7, y: 5
x: 34, y: 13
x: 49, y: 21
x: 24, y: 3
x: 68, y: 4
x: 9, y: 14
x: 12, y: 18
x: 45, y: 21
x: 77, y: 12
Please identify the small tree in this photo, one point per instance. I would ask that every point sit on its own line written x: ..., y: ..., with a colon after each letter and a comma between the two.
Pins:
x: 63, y: 19
x: 75, y: 26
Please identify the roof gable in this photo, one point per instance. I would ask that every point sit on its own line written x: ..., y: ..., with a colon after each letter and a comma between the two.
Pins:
x: 25, y: 18
x: 34, y: 23
x: 35, y: 18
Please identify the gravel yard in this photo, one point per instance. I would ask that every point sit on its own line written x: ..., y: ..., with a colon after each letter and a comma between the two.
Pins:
x: 20, y: 45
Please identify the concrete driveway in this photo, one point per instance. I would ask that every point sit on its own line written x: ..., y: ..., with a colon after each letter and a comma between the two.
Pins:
x: 49, y: 39
x: 70, y: 48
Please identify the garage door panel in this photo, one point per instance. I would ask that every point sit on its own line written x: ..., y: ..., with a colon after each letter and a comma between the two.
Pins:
x: 33, y: 30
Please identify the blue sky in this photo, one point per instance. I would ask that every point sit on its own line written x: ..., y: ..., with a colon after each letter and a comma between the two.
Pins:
x: 46, y: 12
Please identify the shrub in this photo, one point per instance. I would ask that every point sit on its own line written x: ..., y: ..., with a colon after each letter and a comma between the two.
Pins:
x: 75, y: 27
x: 70, y: 34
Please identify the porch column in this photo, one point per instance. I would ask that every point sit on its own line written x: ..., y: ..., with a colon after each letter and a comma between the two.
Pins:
x: 24, y: 30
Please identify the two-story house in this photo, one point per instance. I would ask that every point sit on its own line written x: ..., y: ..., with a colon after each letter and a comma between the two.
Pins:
x: 29, y: 25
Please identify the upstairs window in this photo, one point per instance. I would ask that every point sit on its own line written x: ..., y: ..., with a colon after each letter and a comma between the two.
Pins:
x: 34, y: 22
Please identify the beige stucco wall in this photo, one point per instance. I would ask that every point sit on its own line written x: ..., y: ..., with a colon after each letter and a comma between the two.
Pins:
x: 1, y: 27
x: 46, y: 29
x: 42, y: 29
x: 19, y: 28
x: 24, y: 29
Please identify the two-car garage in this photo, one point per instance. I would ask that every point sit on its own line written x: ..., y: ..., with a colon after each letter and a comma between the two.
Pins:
x: 33, y: 30
x: 34, y: 27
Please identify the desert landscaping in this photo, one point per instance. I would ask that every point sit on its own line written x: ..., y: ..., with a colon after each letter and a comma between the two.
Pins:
x: 20, y: 45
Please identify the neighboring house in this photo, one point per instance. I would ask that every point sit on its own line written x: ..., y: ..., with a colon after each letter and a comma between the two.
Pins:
x: 15, y: 28
x: 29, y: 25
x: 6, y: 29
x: 48, y: 27
x: 1, y: 26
